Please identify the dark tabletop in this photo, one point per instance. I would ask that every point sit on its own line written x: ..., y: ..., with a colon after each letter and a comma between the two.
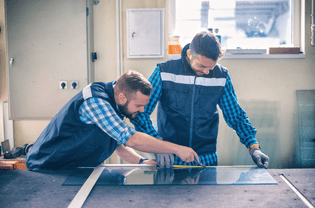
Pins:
x: 22, y: 188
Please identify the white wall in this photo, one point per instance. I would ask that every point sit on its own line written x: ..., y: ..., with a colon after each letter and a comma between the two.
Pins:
x: 263, y: 82
x: 3, y: 81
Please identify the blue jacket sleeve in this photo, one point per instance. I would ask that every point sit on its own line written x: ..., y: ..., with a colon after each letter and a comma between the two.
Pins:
x: 235, y: 116
x: 143, y: 122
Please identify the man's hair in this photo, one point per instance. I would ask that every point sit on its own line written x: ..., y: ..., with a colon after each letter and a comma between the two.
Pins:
x: 131, y: 82
x: 206, y: 44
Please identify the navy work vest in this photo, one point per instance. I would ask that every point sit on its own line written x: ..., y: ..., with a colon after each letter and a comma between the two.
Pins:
x: 187, y: 113
x: 67, y: 142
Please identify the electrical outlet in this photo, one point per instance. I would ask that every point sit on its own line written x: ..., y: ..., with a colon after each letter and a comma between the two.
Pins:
x: 74, y: 84
x: 63, y: 85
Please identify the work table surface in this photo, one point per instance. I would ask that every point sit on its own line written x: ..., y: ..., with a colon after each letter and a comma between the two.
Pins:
x: 22, y: 188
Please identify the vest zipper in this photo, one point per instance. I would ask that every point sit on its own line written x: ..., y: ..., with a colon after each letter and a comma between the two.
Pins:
x: 192, y: 115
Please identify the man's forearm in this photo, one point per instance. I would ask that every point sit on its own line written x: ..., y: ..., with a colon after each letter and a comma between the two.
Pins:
x: 235, y: 116
x: 128, y: 154
x: 146, y: 143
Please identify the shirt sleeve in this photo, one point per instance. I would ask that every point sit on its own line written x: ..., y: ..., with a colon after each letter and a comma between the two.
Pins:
x: 143, y: 122
x: 100, y: 112
x: 235, y: 116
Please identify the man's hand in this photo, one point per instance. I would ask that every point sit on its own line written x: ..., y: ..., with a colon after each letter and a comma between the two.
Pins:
x: 146, y: 143
x: 187, y: 154
x: 190, y: 180
x: 163, y: 159
x: 261, y: 160
x: 151, y: 161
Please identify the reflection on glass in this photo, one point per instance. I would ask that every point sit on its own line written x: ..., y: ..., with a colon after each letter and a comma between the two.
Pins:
x: 117, y: 176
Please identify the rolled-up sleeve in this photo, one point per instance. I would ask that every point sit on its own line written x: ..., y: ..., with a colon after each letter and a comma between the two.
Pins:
x: 100, y: 112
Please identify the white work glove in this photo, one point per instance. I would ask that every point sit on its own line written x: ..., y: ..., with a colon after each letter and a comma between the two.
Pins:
x: 164, y: 159
x: 261, y: 160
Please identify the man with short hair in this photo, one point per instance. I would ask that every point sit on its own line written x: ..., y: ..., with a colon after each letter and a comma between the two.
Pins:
x: 188, y: 90
x: 90, y: 127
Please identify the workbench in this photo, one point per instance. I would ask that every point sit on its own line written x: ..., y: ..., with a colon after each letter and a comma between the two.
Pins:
x: 22, y: 188
x: 12, y: 164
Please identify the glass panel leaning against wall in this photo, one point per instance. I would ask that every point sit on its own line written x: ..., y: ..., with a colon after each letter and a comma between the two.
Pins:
x: 245, y: 24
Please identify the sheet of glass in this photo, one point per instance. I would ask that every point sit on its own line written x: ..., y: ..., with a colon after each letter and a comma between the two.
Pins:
x: 120, y: 176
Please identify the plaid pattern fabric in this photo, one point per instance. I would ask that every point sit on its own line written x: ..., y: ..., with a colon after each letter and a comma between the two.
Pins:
x: 208, y: 160
x: 100, y: 112
x: 143, y: 122
x: 235, y: 116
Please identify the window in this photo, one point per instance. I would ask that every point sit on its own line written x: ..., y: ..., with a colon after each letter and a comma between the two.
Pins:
x: 245, y: 24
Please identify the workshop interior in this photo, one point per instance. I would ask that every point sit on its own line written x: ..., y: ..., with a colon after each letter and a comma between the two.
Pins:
x: 51, y: 50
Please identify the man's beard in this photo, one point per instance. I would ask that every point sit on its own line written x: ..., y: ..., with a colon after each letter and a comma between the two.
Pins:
x: 124, y: 110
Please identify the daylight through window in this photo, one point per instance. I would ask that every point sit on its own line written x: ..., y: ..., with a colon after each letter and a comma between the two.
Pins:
x: 255, y: 24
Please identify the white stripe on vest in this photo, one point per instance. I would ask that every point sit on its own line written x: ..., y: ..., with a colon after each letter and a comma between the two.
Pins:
x: 202, y: 81
x: 87, y: 92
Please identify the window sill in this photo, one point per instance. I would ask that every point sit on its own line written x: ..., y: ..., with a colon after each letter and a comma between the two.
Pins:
x: 264, y: 56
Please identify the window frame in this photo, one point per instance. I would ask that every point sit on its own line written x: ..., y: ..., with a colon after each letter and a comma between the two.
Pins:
x: 298, y: 36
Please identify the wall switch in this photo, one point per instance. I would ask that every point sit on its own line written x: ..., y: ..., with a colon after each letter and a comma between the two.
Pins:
x: 74, y: 84
x: 63, y: 85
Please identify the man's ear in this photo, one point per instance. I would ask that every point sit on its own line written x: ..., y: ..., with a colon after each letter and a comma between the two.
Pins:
x: 188, y: 52
x: 122, y: 99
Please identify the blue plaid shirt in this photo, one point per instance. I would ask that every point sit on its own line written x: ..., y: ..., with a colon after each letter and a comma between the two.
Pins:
x: 100, y: 112
x: 233, y: 114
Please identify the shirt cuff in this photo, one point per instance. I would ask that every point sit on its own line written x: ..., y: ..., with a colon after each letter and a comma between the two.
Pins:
x: 252, y: 146
x: 250, y: 142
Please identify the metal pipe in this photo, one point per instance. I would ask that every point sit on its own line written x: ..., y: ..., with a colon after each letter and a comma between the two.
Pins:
x: 117, y: 39
x: 121, y: 37
x: 313, y: 23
